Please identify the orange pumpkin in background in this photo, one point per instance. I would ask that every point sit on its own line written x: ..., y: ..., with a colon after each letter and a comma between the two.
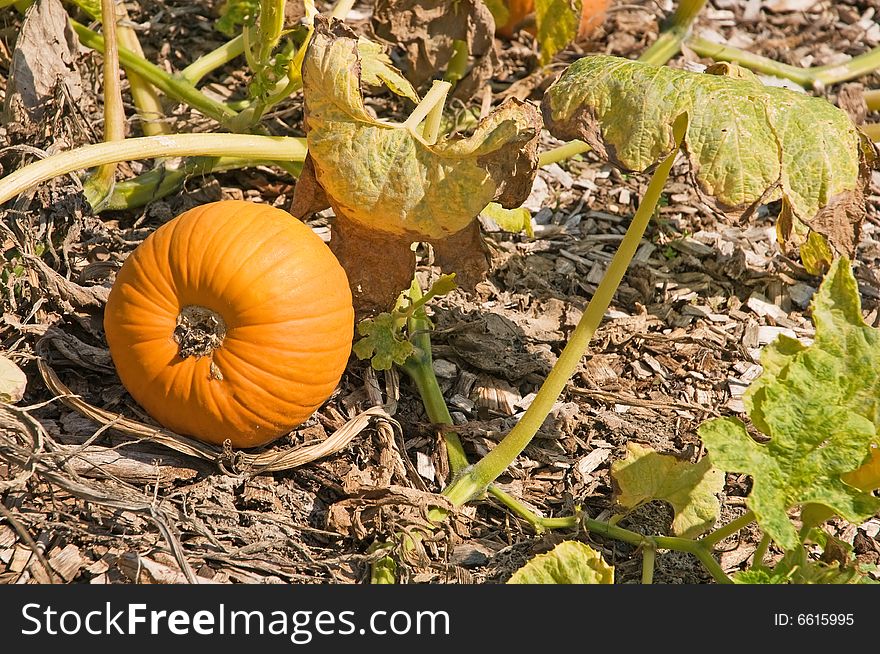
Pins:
x: 232, y: 321
x: 592, y: 15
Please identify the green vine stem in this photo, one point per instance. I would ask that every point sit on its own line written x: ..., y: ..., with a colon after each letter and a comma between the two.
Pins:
x: 872, y: 100
x: 649, y: 556
x: 98, y: 187
x: 419, y: 367
x: 174, y: 87
x: 208, y: 63
x: 713, y: 538
x: 674, y: 33
x: 274, y: 148
x: 144, y: 96
x: 562, y: 152
x: 761, y: 552
x: 817, y: 77
x: 429, y: 110
x: 474, y: 482
x: 160, y: 181
x: 699, y: 550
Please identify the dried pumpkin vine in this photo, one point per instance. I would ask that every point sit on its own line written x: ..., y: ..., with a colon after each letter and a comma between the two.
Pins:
x: 393, y: 184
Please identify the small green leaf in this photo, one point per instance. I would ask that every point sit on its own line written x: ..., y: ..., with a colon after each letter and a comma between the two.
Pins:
x: 382, y: 342
x: 510, y: 220
x: 12, y: 381
x: 444, y: 284
x: 235, y: 14
x: 820, y: 406
x: 570, y: 562
x: 691, y: 489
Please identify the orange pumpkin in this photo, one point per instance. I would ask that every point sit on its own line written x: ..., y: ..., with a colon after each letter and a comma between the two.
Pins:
x: 232, y: 321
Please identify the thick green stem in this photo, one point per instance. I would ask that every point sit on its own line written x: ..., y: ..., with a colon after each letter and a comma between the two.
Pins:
x: 474, y: 483
x: 856, y: 67
x: 213, y: 60
x: 275, y: 148
x: 420, y: 370
x: 161, y: 181
x: 649, y: 556
x: 430, y: 108
x: 674, y: 33
x: 178, y: 89
x: 761, y: 552
x: 817, y: 77
x: 99, y: 185
x: 757, y: 63
x: 539, y: 523
x: 143, y: 94
x: 563, y: 152
x: 713, y: 538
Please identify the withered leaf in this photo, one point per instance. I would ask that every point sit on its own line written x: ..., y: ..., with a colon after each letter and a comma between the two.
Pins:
x: 428, y: 30
x: 747, y: 144
x: 389, y: 187
x: 44, y: 58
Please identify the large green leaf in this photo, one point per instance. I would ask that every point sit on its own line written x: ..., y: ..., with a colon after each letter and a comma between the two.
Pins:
x: 819, y: 406
x: 570, y: 562
x: 747, y: 144
x: 691, y: 489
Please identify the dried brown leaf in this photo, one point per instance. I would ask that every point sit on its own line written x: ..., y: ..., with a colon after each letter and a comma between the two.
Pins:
x: 427, y: 31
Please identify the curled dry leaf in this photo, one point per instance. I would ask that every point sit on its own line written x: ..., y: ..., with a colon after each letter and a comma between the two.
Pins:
x: 747, y: 144
x: 389, y: 187
x: 12, y: 381
x: 44, y: 58
x: 427, y: 31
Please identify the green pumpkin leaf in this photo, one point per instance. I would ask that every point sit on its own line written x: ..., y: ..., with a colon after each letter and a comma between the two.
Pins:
x: 382, y: 342
x: 645, y: 475
x: 820, y: 406
x: 570, y: 562
x: 13, y: 381
x: 747, y: 144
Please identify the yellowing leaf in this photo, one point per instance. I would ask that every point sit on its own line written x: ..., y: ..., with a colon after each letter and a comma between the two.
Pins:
x: 820, y: 406
x: 691, y: 489
x: 377, y: 69
x: 384, y: 176
x: 570, y: 562
x: 389, y: 187
x: 747, y: 144
x: 558, y: 22
x: 12, y: 381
